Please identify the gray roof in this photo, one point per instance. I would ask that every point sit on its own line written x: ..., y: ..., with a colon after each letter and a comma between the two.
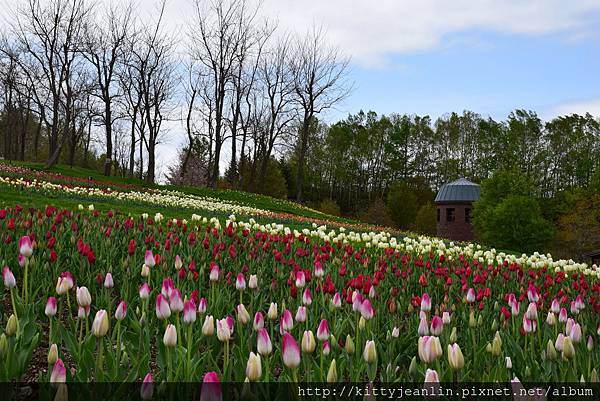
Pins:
x: 461, y: 190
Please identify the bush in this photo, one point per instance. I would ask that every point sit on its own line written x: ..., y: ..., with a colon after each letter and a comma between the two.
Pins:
x: 378, y: 214
x: 402, y: 205
x: 328, y: 206
x: 426, y: 220
x: 516, y: 223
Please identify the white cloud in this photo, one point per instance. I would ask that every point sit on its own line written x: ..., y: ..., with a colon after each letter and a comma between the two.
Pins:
x: 581, y: 107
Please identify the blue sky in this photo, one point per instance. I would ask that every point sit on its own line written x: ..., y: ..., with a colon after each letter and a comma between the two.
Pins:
x: 489, y: 73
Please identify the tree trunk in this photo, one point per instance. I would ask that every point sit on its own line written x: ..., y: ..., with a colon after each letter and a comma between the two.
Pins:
x: 302, y: 156
x: 109, y: 146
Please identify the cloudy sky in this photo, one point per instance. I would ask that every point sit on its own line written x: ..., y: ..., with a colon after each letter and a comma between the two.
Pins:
x: 433, y: 57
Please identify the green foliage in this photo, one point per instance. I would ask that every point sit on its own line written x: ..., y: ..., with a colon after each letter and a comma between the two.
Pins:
x: 402, y: 204
x: 579, y: 228
x: 425, y: 222
x: 516, y: 223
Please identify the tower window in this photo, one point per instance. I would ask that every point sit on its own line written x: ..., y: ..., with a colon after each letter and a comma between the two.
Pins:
x: 450, y: 214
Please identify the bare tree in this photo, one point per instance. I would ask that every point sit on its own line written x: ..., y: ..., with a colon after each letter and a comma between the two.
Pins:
x: 49, y: 34
x: 105, y: 45
x: 219, y: 35
x: 319, y: 82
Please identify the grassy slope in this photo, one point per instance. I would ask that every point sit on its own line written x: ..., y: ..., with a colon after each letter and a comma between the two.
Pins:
x: 11, y: 196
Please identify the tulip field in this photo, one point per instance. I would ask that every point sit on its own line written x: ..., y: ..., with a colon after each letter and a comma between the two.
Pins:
x: 96, y: 294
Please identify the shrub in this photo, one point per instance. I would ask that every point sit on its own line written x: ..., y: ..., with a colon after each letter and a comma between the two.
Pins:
x: 425, y: 222
x: 328, y: 206
x: 402, y: 205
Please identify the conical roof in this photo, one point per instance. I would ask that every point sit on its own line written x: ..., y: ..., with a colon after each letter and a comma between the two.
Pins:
x: 461, y: 190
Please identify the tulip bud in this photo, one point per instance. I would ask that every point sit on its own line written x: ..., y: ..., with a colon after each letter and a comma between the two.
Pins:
x: 453, y: 336
x: 144, y: 291
x: 332, y: 372
x: 253, y: 282
x: 258, y: 322
x: 423, y: 329
x: 362, y: 323
x: 52, y: 354
x: 202, y: 306
x: 9, y: 278
x: 263, y: 343
x: 290, y: 351
x: 436, y: 326
x: 145, y: 271
x: 272, y: 313
x: 455, y: 357
x: 214, y: 274
x: 253, y: 367
x: 308, y: 342
x: 101, y: 324
x: 497, y: 345
x: 163, y: 311
x: 550, y: 351
x: 594, y: 376
x: 59, y: 372
x: 349, y: 347
x: 323, y: 330
x: 240, y: 282
x: 223, y: 330
x: 494, y: 325
x: 121, y: 311
x: 170, y: 337
x: 590, y: 343
x: 431, y: 376
x: 83, y: 297
x: 11, y: 326
x: 51, y: 306
x: 568, y: 349
x: 108, y: 281
x: 147, y: 388
x: 189, y: 312
x: 370, y: 352
x: 3, y: 345
x: 208, y: 328
x: 412, y: 368
x: 508, y: 362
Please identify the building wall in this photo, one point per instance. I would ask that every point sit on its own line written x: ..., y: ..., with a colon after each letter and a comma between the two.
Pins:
x: 459, y: 229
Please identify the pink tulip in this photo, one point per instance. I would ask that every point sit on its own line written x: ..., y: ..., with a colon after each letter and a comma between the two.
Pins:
x: 240, y: 282
x: 287, y: 323
x: 301, y: 314
x: 149, y: 259
x: 147, y: 388
x: 555, y: 307
x: 300, y: 279
x: 25, y: 246
x: 214, y: 273
x: 9, y: 278
x: 202, y: 306
x: 425, y: 303
x: 575, y: 333
x: 569, y: 326
x: 423, y: 329
x: 323, y: 330
x: 290, y: 351
x: 259, y: 321
x: 231, y: 323
x: 560, y: 340
x: 436, y: 325
x: 67, y: 277
x: 144, y: 291
x: 51, y: 306
x: 167, y: 287
x: 598, y: 330
x: 22, y: 260
x: 514, y: 308
x: 532, y: 294
x: 306, y: 297
x: 337, y: 300
x: 562, y: 316
x: 178, y: 262
x: 357, y: 300
x: 83, y: 312
x: 431, y: 376
x: 366, y: 310
x: 175, y: 301
x: 83, y: 296
x: 579, y: 302
x: 531, y: 312
x: 253, y: 282
x: 121, y: 311
x: 162, y: 308
x: 59, y: 372
x: 470, y: 295
x: 263, y: 343
x: 108, y: 281
x: 429, y: 348
x: 211, y: 388
x: 529, y: 326
x: 318, y: 270
x: 189, y: 312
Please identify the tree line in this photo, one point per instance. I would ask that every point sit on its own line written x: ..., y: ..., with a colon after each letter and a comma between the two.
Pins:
x: 87, y: 82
